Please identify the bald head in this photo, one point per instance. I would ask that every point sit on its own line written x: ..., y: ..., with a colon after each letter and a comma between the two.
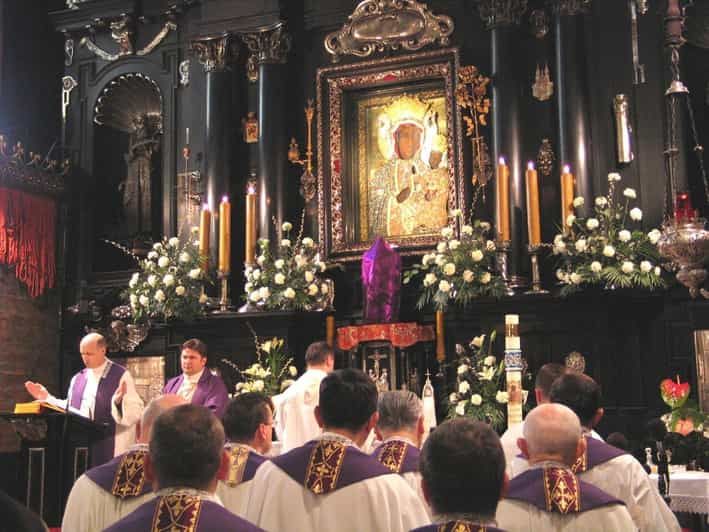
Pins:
x: 156, y: 407
x: 93, y: 350
x: 552, y: 432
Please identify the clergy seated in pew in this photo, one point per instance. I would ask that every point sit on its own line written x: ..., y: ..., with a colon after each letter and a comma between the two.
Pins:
x: 463, y: 472
x: 248, y: 424
x: 186, y: 457
x: 197, y: 385
x: 611, y: 469
x: 109, y: 492
x: 104, y: 392
x: 400, y: 429
x: 548, y: 495
x: 328, y: 484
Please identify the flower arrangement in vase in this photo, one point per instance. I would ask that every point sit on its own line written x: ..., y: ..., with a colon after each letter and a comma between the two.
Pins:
x: 608, y: 248
x: 684, y: 416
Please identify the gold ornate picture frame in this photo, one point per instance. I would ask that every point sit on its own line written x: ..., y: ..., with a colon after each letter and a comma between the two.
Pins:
x: 389, y: 152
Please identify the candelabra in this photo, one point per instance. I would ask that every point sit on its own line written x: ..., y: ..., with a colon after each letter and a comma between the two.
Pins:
x: 502, y: 254
x: 308, y: 185
x: 534, y: 251
x: 224, y: 302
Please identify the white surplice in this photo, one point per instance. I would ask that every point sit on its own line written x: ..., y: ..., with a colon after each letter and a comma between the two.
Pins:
x: 624, y: 478
x: 90, y: 508
x: 126, y: 417
x: 294, y: 417
x: 235, y: 498
x: 384, y: 503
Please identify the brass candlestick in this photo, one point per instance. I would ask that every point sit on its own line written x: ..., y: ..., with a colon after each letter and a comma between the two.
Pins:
x: 224, y: 303
x: 308, y: 184
x: 502, y: 254
x: 536, y: 279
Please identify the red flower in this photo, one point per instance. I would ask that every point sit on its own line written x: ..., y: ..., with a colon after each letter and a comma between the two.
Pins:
x: 673, y: 393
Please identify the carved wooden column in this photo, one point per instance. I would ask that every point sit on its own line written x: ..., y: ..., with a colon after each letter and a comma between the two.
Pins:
x: 216, y: 55
x: 502, y: 18
x: 572, y: 98
x: 268, y: 49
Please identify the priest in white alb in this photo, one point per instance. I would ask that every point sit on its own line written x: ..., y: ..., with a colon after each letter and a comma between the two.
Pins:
x: 294, y: 420
x: 328, y: 483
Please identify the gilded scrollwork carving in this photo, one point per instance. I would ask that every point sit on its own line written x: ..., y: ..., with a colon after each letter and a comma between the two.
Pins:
x: 545, y: 158
x: 496, y: 13
x: 215, y: 54
x: 266, y: 45
x: 379, y: 25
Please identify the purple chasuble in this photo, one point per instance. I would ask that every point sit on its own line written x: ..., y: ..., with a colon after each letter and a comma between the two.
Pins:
x: 243, y: 464
x: 102, y: 449
x: 210, y: 392
x: 183, y: 512
x: 557, y: 490
x: 124, y: 476
x: 323, y: 466
x: 398, y: 456
x: 597, y: 452
x: 457, y: 526
x: 381, y: 282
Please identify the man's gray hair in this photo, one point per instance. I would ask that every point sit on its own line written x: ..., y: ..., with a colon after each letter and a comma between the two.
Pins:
x: 398, y: 410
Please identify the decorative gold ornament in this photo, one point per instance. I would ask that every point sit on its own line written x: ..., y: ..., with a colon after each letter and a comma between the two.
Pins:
x: 250, y: 125
x: 543, y: 87
x: 545, y: 158
x: 215, y: 53
x: 471, y: 97
x: 308, y: 182
x: 266, y: 45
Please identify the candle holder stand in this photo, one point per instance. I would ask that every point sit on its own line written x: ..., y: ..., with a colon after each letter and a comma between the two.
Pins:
x: 502, y: 255
x: 534, y: 251
x: 224, y: 302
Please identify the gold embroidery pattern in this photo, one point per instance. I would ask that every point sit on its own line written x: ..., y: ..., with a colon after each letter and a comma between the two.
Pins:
x: 324, y: 466
x: 460, y: 526
x: 238, y: 456
x: 581, y: 464
x: 561, y: 490
x: 392, y: 454
x: 177, y: 513
x: 130, y: 475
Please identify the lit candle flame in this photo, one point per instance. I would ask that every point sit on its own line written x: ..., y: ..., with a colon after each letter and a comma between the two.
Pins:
x: 530, y: 165
x: 251, y: 189
x: 205, y: 207
x: 502, y: 160
x: 567, y: 169
x: 225, y: 199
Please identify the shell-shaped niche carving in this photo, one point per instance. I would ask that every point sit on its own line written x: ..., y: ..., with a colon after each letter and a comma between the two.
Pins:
x: 130, y: 102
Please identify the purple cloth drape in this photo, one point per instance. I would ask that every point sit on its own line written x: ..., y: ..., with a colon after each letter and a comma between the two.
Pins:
x: 381, y: 283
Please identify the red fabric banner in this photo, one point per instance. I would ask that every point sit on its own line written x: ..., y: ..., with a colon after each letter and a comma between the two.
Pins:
x: 399, y: 334
x: 28, y: 238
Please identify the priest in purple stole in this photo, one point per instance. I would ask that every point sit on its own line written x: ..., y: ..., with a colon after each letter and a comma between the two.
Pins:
x: 328, y: 483
x: 463, y: 475
x: 197, y: 385
x: 549, y: 496
x: 185, y: 459
x: 106, y: 493
x: 248, y: 423
x: 104, y: 392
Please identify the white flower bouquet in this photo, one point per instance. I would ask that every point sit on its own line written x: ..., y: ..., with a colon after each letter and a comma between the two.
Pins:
x: 289, y: 278
x: 459, y: 270
x: 169, y: 283
x: 608, y: 248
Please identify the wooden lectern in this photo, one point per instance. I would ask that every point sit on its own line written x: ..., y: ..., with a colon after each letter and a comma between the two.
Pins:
x: 54, y: 453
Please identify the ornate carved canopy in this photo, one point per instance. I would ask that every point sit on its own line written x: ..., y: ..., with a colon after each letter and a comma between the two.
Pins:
x: 129, y: 101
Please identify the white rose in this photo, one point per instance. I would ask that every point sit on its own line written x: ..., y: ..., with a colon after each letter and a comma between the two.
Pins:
x: 453, y: 398
x: 654, y: 236
x: 429, y: 279
x: 447, y: 232
x: 144, y: 300
x: 258, y: 385
x: 279, y: 278
x: 180, y: 290
x: 485, y: 278
x: 558, y: 238
x: 627, y: 267
x: 313, y: 290
x: 324, y: 288
x: 260, y: 260
x: 601, y: 202
x: 157, y: 246
x: 152, y: 280
x: 440, y: 260
x: 195, y: 273
x: 463, y: 369
x: 476, y: 400
x: 575, y: 278
x: 609, y: 251
x: 444, y: 286
x: 163, y: 262
x: 441, y: 247
x: 596, y: 266
x: 153, y: 255
x: 454, y: 244
x: 174, y: 242
x: 560, y: 274
x: 658, y: 271
x: 580, y: 245
x: 449, y: 269
x: 467, y: 230
x: 321, y: 266
x: 309, y: 277
x: 168, y: 280
x: 287, y: 226
x: 184, y: 257
x: 308, y: 242
x: 293, y: 371
x: 613, y: 176
x: 289, y: 293
x: 624, y: 235
x: 426, y: 259
x: 502, y: 397
x: 285, y: 243
x: 578, y: 202
x: 468, y: 276
x: 570, y: 219
x: 133, y: 282
x: 490, y: 245
x: 478, y: 341
x: 159, y: 296
x: 254, y: 296
x: 133, y: 299
x: 559, y: 246
x: 489, y: 360
x: 248, y: 287
x: 264, y: 292
x: 645, y: 266
x: 484, y: 226
x: 592, y: 224
x: 636, y: 214
x: 463, y: 387
x: 455, y: 213
x: 460, y: 408
x: 279, y: 264
x: 203, y: 298
x: 476, y: 255
x: 630, y: 193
